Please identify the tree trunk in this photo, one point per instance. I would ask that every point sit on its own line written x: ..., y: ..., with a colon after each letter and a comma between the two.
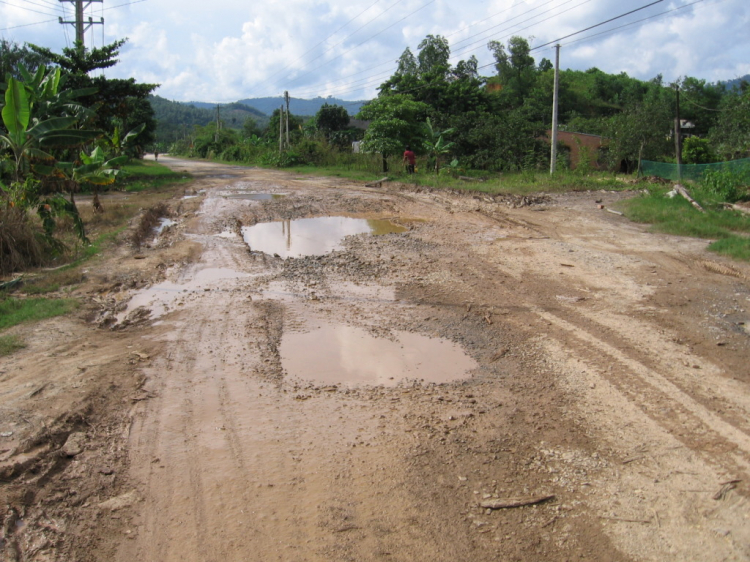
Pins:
x: 385, y: 163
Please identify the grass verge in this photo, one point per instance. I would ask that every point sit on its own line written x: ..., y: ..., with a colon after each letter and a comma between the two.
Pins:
x: 9, y: 344
x: 141, y: 174
x: 17, y: 311
x: 730, y: 230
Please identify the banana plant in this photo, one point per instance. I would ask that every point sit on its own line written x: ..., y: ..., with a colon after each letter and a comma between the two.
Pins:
x: 435, y: 144
x: 94, y: 169
x: 26, y: 137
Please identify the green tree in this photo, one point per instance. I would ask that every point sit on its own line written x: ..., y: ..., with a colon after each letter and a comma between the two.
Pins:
x: 396, y: 122
x: 730, y: 136
x: 434, y: 55
x: 515, y: 68
x: 407, y: 64
x: 122, y: 102
x: 331, y: 118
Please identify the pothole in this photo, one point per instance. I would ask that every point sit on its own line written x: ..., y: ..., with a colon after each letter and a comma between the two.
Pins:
x: 311, y: 237
x: 160, y: 298
x: 347, y: 355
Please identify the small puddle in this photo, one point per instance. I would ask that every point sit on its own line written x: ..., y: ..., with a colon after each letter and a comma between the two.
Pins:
x: 256, y: 196
x: 161, y: 297
x: 164, y: 223
x: 340, y: 354
x: 311, y: 237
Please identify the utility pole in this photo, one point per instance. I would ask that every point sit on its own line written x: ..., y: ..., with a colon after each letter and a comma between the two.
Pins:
x: 81, y: 26
x: 678, y: 133
x: 281, y: 129
x: 286, y: 98
x: 218, y: 124
x: 555, y: 93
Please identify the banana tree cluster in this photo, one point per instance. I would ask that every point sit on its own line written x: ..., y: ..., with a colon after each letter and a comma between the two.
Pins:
x: 46, y: 137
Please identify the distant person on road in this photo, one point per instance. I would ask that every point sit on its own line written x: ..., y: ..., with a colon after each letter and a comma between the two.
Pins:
x: 410, y: 160
x: 156, y: 155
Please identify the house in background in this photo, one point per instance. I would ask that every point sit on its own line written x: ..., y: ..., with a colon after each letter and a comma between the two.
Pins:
x: 581, y: 145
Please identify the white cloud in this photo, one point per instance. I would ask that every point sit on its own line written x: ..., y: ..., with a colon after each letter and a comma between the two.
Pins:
x: 231, y: 50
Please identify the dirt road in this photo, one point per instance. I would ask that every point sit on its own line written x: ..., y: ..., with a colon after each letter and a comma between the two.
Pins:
x: 384, y: 395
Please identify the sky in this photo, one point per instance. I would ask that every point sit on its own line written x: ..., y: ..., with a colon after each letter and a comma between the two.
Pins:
x: 226, y: 50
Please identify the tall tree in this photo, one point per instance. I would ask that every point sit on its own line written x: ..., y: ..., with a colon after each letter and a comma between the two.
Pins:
x: 434, y: 55
x: 117, y: 102
x: 407, y: 64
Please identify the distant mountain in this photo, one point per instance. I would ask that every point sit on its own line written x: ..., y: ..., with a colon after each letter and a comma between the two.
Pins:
x: 731, y: 84
x: 174, y: 119
x: 302, y: 107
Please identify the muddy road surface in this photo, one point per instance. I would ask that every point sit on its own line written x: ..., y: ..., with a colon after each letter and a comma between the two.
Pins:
x: 300, y: 368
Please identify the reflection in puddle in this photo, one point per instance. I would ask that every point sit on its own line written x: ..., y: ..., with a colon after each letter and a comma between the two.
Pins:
x: 311, y: 237
x: 347, y: 355
x: 255, y: 196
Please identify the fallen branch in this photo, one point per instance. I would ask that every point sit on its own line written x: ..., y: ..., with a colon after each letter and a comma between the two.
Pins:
x: 682, y: 191
x: 613, y: 212
x: 378, y: 183
x: 502, y: 503
x: 467, y: 178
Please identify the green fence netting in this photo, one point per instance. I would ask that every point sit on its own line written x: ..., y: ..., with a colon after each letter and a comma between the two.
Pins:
x: 692, y: 171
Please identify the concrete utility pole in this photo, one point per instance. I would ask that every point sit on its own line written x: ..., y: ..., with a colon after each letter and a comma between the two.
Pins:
x: 678, y: 133
x: 218, y: 123
x: 78, y: 23
x: 555, y: 92
x: 281, y: 129
x: 286, y: 98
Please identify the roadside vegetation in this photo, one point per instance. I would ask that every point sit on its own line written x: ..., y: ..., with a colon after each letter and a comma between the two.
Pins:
x: 70, y: 156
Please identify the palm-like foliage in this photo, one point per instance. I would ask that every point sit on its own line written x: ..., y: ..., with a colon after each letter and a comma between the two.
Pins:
x: 435, y: 145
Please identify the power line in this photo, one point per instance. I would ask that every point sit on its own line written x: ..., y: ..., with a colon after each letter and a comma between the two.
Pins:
x: 26, y: 25
x: 468, y: 48
x: 24, y: 8
x: 321, y: 42
x: 598, y: 24
x: 608, y: 31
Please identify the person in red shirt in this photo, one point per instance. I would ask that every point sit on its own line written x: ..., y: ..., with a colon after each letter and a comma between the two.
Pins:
x: 410, y: 160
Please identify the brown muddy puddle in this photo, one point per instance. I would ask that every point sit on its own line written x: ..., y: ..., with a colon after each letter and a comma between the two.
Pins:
x: 311, y: 237
x: 351, y: 356
x: 162, y: 297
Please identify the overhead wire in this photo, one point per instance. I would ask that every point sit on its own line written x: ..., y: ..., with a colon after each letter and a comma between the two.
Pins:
x: 467, y: 48
x: 320, y: 43
x: 25, y: 8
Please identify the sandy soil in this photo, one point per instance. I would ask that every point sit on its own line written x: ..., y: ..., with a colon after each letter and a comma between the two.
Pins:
x: 600, y: 387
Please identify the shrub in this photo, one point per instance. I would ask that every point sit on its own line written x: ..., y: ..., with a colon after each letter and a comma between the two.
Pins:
x: 725, y: 184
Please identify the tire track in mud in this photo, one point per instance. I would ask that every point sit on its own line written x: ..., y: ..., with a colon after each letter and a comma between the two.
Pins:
x: 652, y: 390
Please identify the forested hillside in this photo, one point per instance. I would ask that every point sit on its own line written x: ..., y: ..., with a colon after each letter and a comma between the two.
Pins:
x: 499, y: 122
x: 176, y: 120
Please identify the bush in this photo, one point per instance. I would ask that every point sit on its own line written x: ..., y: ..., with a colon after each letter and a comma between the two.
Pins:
x: 21, y: 245
x: 725, y: 184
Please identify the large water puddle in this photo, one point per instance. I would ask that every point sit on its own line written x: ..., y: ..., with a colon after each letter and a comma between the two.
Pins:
x: 311, y: 237
x: 340, y: 354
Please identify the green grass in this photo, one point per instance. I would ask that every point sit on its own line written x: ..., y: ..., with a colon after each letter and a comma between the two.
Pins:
x: 17, y: 311
x: 9, y: 344
x: 140, y: 175
x: 730, y: 230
